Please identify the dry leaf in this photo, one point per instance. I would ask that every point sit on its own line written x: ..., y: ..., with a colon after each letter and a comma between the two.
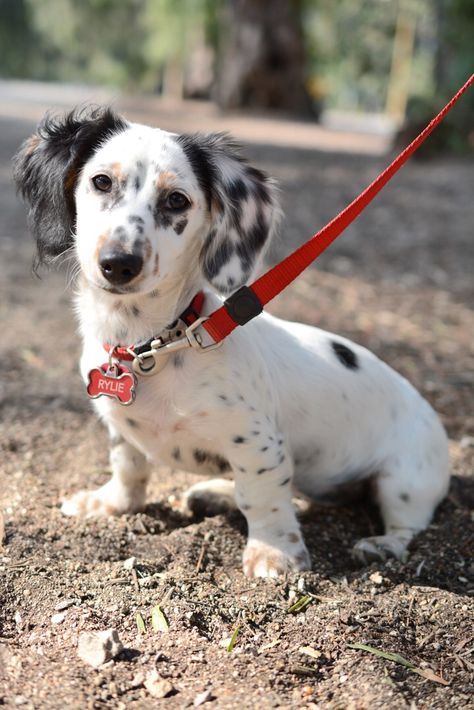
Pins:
x: 159, y: 621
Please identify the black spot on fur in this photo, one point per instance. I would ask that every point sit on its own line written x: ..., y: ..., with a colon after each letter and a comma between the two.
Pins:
x: 137, y: 183
x: 345, y: 355
x: 116, y: 440
x: 135, y: 311
x: 47, y: 168
x: 405, y: 497
x: 213, y: 460
x: 132, y: 422
x: 176, y: 453
x: 285, y: 482
x: 178, y: 360
x: 120, y: 233
x: 218, y: 258
x: 222, y: 464
x: 237, y: 190
x: 161, y: 216
x: 180, y: 225
x: 200, y: 456
x: 136, y: 219
x: 239, y: 440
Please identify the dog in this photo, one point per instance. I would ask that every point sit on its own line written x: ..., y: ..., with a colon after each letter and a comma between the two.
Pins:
x: 153, y: 218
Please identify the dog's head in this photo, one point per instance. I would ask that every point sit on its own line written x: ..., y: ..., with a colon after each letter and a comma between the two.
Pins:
x: 141, y: 205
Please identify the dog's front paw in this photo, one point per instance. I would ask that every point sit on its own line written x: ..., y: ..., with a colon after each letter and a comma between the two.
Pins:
x: 379, y: 548
x: 87, y: 504
x: 264, y: 560
x: 105, y: 501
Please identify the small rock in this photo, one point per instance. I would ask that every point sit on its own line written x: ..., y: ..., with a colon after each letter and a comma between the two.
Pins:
x: 466, y: 442
x: 137, y: 680
x: 58, y: 618
x: 98, y: 647
x: 65, y: 604
x: 376, y: 578
x: 157, y: 686
x: 202, y: 698
x: 130, y: 563
x: 20, y: 700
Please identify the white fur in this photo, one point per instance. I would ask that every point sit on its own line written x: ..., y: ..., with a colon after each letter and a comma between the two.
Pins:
x: 275, y: 401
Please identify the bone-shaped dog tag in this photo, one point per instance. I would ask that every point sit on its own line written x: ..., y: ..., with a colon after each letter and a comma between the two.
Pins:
x: 115, y: 381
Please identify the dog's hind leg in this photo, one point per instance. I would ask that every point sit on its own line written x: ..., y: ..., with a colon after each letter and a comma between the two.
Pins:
x: 212, y: 497
x: 126, y: 490
x: 408, y: 489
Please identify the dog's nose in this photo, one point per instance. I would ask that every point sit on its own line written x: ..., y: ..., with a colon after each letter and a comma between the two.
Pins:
x: 118, y: 267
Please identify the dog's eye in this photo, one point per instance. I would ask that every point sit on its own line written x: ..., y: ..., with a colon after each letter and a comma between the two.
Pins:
x: 177, y: 201
x: 102, y: 183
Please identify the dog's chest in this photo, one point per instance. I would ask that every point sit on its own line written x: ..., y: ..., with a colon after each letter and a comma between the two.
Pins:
x: 167, y: 422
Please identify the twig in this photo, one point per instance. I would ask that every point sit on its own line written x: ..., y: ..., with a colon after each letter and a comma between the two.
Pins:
x: 201, y: 556
x: 135, y: 579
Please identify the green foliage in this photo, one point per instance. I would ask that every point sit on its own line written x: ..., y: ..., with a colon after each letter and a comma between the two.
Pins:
x: 90, y: 39
x: 119, y: 42
x: 453, y: 63
x: 17, y: 38
x: 350, y: 48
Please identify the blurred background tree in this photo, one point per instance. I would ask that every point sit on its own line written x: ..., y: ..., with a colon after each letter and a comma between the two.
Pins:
x: 262, y: 56
x: 402, y: 58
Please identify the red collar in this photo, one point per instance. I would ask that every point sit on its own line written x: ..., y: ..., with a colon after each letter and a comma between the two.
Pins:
x: 188, y: 316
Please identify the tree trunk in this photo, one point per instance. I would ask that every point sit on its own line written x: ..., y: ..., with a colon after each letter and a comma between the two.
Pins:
x: 261, y: 56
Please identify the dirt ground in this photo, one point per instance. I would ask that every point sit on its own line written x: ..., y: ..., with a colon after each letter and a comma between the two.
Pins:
x: 400, y: 281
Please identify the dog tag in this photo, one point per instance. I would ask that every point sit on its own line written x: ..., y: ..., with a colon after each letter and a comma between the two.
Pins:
x: 115, y: 381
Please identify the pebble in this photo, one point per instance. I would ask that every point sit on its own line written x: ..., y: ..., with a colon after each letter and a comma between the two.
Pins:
x: 130, y: 563
x: 202, y: 698
x: 58, y: 618
x: 157, y: 686
x: 98, y: 647
x: 65, y: 604
x: 376, y: 578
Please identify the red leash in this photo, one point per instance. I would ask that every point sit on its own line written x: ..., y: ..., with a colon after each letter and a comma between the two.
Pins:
x: 248, y: 301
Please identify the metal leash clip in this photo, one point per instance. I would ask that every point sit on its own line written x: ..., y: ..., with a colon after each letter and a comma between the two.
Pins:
x: 154, y: 360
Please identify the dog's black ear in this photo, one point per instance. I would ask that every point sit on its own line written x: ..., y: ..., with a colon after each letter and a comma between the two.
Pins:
x: 243, y: 207
x: 46, y: 169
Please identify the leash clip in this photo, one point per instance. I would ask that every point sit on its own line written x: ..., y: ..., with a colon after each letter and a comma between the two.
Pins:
x: 154, y: 360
